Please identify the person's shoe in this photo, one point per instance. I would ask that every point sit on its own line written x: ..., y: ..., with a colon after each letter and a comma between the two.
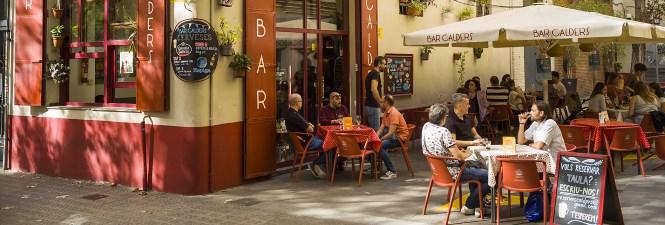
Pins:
x: 389, y: 176
x: 486, y: 210
x: 487, y: 202
x: 311, y: 169
x: 320, y: 172
x: 467, y: 211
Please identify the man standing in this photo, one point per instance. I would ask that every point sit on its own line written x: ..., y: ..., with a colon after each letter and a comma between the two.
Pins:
x: 460, y: 124
x: 544, y: 132
x: 640, y: 69
x: 558, y: 86
x: 373, y: 93
x: 496, y: 94
x: 296, y: 123
x: 392, y: 127
x: 331, y: 113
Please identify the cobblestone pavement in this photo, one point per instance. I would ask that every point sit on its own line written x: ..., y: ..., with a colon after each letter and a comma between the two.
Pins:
x: 38, y: 199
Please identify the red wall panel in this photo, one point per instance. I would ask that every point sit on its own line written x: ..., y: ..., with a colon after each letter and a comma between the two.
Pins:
x: 29, y: 43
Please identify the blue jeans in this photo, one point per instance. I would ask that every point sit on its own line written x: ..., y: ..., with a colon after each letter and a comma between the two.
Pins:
x: 473, y: 173
x: 373, y: 117
x: 385, y: 145
x: 317, y: 144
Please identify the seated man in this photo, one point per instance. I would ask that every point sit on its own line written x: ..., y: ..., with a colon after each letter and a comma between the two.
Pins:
x: 393, y: 126
x: 296, y: 123
x: 460, y: 124
x: 438, y: 141
x: 331, y: 113
x: 544, y: 131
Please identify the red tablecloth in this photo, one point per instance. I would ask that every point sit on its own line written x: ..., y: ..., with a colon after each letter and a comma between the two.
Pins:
x: 329, y: 141
x: 597, y: 137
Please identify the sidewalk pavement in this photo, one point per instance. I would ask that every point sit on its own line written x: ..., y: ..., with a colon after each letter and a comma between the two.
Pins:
x: 38, y: 199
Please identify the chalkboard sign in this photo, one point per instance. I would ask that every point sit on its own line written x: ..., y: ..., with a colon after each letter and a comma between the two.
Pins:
x: 194, y: 50
x: 543, y: 69
x: 594, y: 62
x: 584, y: 191
x: 398, y: 77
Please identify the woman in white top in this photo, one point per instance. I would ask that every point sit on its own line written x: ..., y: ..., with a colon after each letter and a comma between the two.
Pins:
x: 598, y: 101
x: 655, y: 89
x: 641, y: 103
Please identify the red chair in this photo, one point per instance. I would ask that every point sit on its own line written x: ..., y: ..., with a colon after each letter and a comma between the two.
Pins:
x: 575, y: 135
x: 521, y: 175
x: 660, y: 149
x: 404, y: 146
x: 501, y: 114
x: 302, y: 151
x: 647, y: 125
x: 442, y: 177
x: 624, y: 140
x: 348, y: 147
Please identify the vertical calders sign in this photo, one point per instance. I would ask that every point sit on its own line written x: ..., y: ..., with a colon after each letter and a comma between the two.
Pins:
x: 260, y: 88
x: 584, y: 191
x: 194, y: 50
x: 369, y: 40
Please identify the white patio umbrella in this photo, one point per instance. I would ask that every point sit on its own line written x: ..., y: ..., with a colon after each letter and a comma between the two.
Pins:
x: 540, y: 25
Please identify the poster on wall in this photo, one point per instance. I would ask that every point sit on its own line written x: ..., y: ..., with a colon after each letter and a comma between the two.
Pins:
x: 398, y: 77
x: 194, y: 51
x: 126, y: 65
x: 543, y: 69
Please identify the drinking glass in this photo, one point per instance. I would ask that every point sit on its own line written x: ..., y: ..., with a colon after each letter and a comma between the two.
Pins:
x: 358, y: 120
x: 486, y: 142
x: 341, y: 121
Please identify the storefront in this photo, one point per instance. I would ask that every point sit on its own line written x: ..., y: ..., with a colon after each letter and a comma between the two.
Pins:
x: 125, y: 115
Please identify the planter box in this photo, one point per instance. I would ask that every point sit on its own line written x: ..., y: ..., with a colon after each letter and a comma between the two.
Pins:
x: 414, y: 11
x: 424, y: 56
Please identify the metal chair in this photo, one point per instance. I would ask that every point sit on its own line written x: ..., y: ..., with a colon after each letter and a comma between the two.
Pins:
x: 348, y: 147
x: 575, y: 135
x: 404, y: 146
x: 624, y: 140
x: 302, y: 151
x: 521, y: 175
x: 442, y: 177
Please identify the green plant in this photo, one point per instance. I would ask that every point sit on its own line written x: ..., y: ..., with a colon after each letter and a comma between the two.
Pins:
x: 461, y: 69
x: 465, y: 13
x: 228, y: 35
x: 477, y: 50
x: 427, y: 49
x: 58, y: 72
x: 417, y: 5
x: 241, y: 62
x: 56, y: 31
x: 447, y: 9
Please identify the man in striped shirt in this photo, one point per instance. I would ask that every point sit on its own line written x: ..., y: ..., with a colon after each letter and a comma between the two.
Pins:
x: 497, y: 95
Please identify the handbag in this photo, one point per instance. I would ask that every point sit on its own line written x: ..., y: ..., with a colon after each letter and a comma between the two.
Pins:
x: 533, y: 208
x: 476, y: 160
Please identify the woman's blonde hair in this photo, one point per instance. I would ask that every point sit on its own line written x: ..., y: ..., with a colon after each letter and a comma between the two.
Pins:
x: 645, y: 94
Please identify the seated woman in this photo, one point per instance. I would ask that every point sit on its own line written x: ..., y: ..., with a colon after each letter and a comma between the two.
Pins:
x: 477, y: 99
x: 655, y: 89
x: 641, y: 103
x: 615, y: 85
x: 598, y: 102
x: 438, y: 141
x: 516, y: 98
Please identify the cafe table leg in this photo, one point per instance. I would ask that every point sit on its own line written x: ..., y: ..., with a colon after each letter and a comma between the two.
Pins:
x: 493, y: 208
x: 330, y: 167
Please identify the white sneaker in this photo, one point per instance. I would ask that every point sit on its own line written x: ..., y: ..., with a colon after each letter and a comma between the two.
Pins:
x: 320, y: 173
x: 485, y: 210
x: 467, y: 211
x: 389, y: 176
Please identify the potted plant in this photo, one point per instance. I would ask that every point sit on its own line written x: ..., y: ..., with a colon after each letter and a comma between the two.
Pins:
x: 57, y: 9
x: 227, y: 3
x: 416, y: 7
x: 457, y: 56
x: 424, y: 53
x: 227, y: 36
x: 462, y: 68
x: 618, y: 66
x: 57, y: 71
x: 56, y: 34
x: 477, y: 52
x: 241, y: 64
x: 448, y: 11
x: 465, y: 13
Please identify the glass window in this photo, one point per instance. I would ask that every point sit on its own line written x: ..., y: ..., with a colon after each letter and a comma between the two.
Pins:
x: 289, y: 14
x: 333, y: 14
x: 102, y: 64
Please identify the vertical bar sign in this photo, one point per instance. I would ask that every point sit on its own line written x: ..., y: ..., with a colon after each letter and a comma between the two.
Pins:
x: 151, y: 80
x: 369, y: 42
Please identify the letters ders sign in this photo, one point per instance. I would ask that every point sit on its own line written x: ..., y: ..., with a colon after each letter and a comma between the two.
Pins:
x: 194, y: 50
x: 584, y: 191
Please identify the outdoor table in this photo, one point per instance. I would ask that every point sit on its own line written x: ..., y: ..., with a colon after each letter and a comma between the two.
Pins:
x: 599, y: 130
x: 521, y: 152
x: 330, y: 141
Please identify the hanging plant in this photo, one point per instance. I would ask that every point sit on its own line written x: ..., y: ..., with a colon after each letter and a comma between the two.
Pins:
x: 461, y: 70
x: 227, y: 36
x: 56, y: 35
x: 58, y: 71
x: 424, y: 53
x: 241, y: 64
x: 465, y: 13
x: 57, y: 9
x: 477, y: 52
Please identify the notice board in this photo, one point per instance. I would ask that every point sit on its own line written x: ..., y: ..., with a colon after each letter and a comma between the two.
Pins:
x: 398, y: 77
x: 584, y: 191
